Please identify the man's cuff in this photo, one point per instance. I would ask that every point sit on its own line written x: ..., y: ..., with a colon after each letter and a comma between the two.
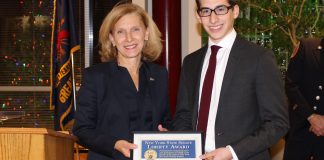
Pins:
x: 232, y: 152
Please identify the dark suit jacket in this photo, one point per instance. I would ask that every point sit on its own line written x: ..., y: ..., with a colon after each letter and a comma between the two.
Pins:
x: 252, y: 113
x: 305, y: 87
x: 102, y: 116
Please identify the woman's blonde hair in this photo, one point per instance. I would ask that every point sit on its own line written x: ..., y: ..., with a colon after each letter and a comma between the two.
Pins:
x: 153, y: 47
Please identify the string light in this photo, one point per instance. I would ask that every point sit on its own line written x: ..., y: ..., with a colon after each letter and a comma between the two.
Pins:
x: 37, y: 44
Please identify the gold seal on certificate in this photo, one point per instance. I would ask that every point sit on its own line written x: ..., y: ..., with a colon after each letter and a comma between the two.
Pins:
x: 150, y: 154
x: 167, y: 145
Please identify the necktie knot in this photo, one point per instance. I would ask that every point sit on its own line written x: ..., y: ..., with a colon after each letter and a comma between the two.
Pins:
x: 214, y: 49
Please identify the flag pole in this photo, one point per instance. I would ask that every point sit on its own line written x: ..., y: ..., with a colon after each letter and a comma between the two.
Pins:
x: 73, y: 81
x: 73, y: 50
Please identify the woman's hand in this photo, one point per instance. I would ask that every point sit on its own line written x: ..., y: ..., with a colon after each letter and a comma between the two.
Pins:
x: 161, y: 129
x: 124, y: 147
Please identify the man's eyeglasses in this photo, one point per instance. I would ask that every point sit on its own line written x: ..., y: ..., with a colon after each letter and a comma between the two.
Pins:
x: 219, y: 10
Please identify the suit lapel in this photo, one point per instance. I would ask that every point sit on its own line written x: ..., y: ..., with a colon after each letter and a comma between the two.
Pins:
x: 116, y: 77
x: 236, y: 51
x: 111, y: 94
x: 148, y: 97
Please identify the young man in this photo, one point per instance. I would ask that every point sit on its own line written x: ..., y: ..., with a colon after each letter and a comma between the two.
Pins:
x: 304, y: 88
x: 231, y: 90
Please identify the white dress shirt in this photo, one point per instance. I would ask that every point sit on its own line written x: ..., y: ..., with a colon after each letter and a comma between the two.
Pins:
x: 222, y: 57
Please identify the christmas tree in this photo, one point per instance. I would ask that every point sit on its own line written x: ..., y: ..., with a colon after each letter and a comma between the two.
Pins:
x: 280, y: 24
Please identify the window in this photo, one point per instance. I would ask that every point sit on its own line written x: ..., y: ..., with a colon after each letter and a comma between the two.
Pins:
x: 25, y: 36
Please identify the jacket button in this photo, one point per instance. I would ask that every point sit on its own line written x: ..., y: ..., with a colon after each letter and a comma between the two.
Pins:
x: 320, y: 87
x: 317, y: 97
x: 315, y: 108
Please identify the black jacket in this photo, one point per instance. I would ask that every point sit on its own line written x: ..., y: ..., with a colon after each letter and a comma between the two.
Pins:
x: 103, y: 103
x: 305, y: 85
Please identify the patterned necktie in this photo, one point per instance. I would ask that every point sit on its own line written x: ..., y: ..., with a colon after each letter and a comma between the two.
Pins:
x: 206, y: 92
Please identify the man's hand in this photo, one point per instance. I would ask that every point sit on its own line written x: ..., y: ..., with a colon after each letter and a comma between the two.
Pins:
x: 317, y: 124
x: 124, y: 147
x: 218, y: 154
x: 161, y: 129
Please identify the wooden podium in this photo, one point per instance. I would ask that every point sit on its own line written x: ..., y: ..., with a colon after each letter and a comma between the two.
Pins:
x: 35, y: 144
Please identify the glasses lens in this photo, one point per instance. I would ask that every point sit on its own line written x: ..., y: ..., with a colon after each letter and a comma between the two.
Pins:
x: 221, y: 10
x: 203, y: 12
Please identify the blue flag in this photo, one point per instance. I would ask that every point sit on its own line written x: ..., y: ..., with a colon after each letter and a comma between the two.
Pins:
x: 65, y: 42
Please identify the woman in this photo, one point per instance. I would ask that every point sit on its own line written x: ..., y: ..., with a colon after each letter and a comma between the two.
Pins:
x: 126, y: 93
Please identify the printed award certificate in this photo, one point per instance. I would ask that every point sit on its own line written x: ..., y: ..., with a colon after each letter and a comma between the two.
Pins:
x: 167, y: 145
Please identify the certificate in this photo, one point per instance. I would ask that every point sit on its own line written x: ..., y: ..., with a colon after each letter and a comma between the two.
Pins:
x: 167, y: 145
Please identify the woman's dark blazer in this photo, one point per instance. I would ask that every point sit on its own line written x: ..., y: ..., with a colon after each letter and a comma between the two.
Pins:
x: 102, y: 116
